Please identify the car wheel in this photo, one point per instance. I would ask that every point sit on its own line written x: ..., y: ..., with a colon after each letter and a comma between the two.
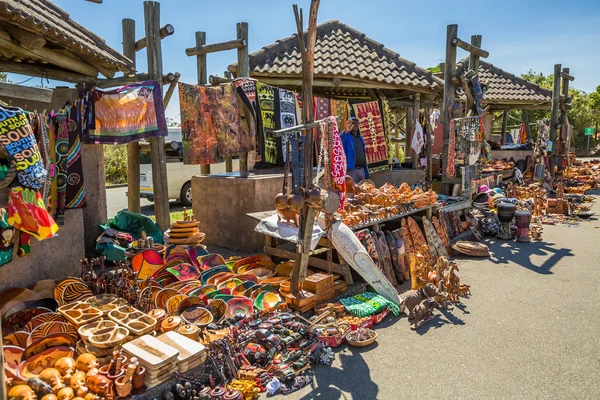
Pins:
x: 186, y: 194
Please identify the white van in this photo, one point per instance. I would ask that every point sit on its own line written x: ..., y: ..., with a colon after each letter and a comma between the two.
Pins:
x: 179, y: 175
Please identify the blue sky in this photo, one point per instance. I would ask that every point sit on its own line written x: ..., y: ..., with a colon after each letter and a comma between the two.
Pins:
x: 520, y: 35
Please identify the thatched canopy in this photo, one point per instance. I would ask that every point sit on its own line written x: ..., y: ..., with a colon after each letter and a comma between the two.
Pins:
x: 347, y: 64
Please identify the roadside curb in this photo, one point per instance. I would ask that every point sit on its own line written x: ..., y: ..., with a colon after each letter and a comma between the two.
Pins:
x: 120, y: 185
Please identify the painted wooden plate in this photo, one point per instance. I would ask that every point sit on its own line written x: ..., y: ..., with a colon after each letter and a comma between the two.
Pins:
x: 60, y: 287
x: 173, y: 303
x: 16, y: 299
x: 197, y: 314
x: 18, y: 339
x: 217, y: 308
x: 45, y: 288
x: 163, y: 296
x: 189, y: 286
x: 52, y: 340
x: 239, y: 307
x: 49, y: 328
x: 189, y: 302
x: 206, y: 275
x: 31, y: 367
x: 13, y: 356
x: 76, y: 291
x: 18, y: 320
x: 42, y: 319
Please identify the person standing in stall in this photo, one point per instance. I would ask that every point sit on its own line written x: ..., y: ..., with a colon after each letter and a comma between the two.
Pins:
x: 354, y: 148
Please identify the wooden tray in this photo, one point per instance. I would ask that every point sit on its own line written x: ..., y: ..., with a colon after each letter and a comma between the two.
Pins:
x: 137, y: 322
x: 188, y: 349
x: 151, y: 352
x: 79, y: 313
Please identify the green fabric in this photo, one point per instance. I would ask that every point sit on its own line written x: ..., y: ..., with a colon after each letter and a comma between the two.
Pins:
x: 134, y: 224
x: 368, y: 303
x: 111, y: 251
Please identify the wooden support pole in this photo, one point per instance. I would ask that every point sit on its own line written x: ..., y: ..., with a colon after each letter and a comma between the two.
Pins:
x: 554, y: 116
x: 416, y: 113
x: 165, y: 31
x: 526, y: 122
x: 468, y: 94
x: 217, y: 80
x: 504, y: 124
x: 45, y: 72
x: 470, y: 48
x: 449, y: 72
x: 213, y: 48
x: 243, y: 72
x: 429, y: 134
x: 133, y: 148
x: 201, y: 69
x: 565, y: 95
x: 170, y: 90
x: 474, y: 58
x: 158, y: 155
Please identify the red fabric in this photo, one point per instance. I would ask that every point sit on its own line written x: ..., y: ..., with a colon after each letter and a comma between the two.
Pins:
x: 338, y: 163
x: 27, y: 212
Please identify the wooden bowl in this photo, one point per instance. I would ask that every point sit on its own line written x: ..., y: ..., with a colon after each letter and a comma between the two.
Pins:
x: 285, y: 269
x: 276, y: 281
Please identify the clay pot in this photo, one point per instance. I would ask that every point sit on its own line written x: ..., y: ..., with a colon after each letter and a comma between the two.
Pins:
x: 159, y: 315
x: 190, y: 331
x: 170, y: 324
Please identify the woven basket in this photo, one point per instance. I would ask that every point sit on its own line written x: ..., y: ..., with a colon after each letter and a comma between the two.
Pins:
x: 358, y: 343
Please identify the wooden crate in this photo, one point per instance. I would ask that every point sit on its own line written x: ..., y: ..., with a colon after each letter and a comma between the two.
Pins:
x: 326, y: 295
x: 340, y: 287
x: 302, y: 299
x: 318, y: 282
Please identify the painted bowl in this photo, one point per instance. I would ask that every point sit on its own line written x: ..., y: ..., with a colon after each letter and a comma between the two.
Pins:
x: 239, y: 307
x: 13, y: 356
x: 204, y: 276
x: 285, y: 269
x: 248, y: 277
x: 18, y: 320
x: 242, y: 287
x: 262, y: 272
x: 49, y: 328
x: 230, y: 283
x: 42, y: 319
x: 266, y: 301
x: 211, y: 260
x: 52, y: 340
x: 173, y: 303
x: 197, y: 314
x: 163, y: 296
x: 217, y: 308
x: 191, y: 301
x: 31, y: 367
x: 75, y: 291
x: 276, y: 281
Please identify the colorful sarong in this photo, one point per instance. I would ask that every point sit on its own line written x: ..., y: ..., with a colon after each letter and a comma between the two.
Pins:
x: 125, y: 115
x: 370, y: 124
x: 266, y: 105
x: 339, y: 108
x: 199, y: 136
x: 321, y: 107
x: 338, y: 164
x: 75, y: 194
x: 62, y: 153
x: 246, y: 89
x: 27, y: 212
x: 233, y: 136
x: 388, y: 124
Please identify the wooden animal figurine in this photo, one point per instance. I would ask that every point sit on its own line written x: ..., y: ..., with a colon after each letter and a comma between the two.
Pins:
x: 422, y: 313
x: 418, y: 270
x: 415, y: 297
x: 452, y: 283
x: 464, y: 290
x: 101, y: 385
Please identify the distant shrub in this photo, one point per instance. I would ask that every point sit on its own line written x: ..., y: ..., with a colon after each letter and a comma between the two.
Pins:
x: 115, y: 164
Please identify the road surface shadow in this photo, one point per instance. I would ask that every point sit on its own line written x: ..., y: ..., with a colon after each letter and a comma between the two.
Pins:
x: 520, y: 253
x: 149, y: 209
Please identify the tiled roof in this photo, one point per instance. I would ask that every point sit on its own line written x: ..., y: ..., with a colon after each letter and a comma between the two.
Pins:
x: 504, y: 87
x: 54, y: 24
x: 342, y: 52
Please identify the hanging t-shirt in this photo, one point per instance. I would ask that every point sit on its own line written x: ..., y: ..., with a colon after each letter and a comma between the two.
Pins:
x: 19, y: 141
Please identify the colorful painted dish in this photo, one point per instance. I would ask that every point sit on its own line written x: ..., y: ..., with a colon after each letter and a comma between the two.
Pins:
x: 196, y: 314
x: 184, y: 272
x: 60, y: 287
x: 266, y: 301
x: 195, y: 252
x: 224, y: 297
x: 217, y: 292
x: 253, y: 261
x: 31, y: 367
x: 146, y: 263
x: 218, y: 279
x: 285, y: 269
x: 88, y: 330
x: 173, y: 303
x: 189, y: 286
x: 76, y: 291
x: 13, y: 356
x: 262, y: 272
x: 42, y: 319
x: 106, y: 302
x: 211, y: 272
x: 239, y: 307
x: 53, y: 340
x: 239, y: 289
x: 163, y: 296
x: 211, y: 260
x: 173, y: 249
x: 45, y: 287
x: 148, y: 283
x: 230, y: 283
x: 275, y: 281
x: 217, y: 308
x: 248, y: 277
x: 18, y: 320
x: 177, y: 285
x: 18, y: 339
x: 49, y: 328
x: 16, y: 299
x: 189, y: 302
x: 201, y: 291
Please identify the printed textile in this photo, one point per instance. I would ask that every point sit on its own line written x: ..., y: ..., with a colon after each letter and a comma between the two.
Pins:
x: 51, y: 202
x: 370, y: 124
x: 7, y: 237
x: 246, y: 89
x: 17, y: 137
x: 75, y: 193
x: 27, y: 212
x: 199, y: 136
x: 266, y: 105
x: 125, y: 115
x: 321, y: 108
x: 233, y: 135
x: 62, y: 153
x: 287, y: 115
x: 388, y: 122
x: 338, y: 162
x: 417, y: 139
x: 339, y: 108
x: 368, y: 303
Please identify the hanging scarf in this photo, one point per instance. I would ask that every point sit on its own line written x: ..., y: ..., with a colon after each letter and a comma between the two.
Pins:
x: 266, y: 105
x: 75, y: 193
x: 62, y: 153
x: 246, y: 89
x: 287, y: 115
x: 339, y: 108
x: 27, y: 212
x: 52, y: 201
x: 370, y: 124
x: 387, y: 120
x: 417, y: 139
x: 451, y: 163
x: 338, y: 163
x: 522, y: 133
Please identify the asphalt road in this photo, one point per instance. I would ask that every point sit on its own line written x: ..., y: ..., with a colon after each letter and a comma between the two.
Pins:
x: 116, y: 201
x: 529, y: 331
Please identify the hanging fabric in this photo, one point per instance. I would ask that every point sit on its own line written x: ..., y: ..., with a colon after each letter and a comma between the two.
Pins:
x: 339, y: 108
x: 266, y: 105
x: 125, y: 115
x: 198, y: 133
x: 7, y: 236
x: 388, y: 124
x: 334, y: 148
x: 451, y: 162
x: 287, y: 115
x: 62, y: 153
x: 75, y: 193
x: 417, y: 139
x: 370, y: 124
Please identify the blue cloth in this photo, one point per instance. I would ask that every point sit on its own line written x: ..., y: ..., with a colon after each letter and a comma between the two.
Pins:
x: 348, y: 143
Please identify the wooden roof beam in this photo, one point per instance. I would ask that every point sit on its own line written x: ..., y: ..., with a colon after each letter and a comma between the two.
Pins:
x: 470, y: 48
x: 165, y: 31
x: 25, y: 92
x: 127, y: 80
x: 212, y: 48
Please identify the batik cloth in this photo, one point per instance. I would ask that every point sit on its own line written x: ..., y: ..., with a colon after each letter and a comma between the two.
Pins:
x: 370, y: 124
x: 27, y: 212
x: 321, y: 107
x: 246, y: 89
x: 75, y: 194
x: 287, y: 116
x: 7, y: 238
x: 266, y: 105
x: 40, y: 128
x: 51, y: 202
x: 125, y: 115
x: 339, y: 108
x: 233, y: 135
x: 17, y: 137
x: 388, y: 125
x: 62, y: 153
x: 417, y: 140
x: 199, y: 136
x: 522, y: 133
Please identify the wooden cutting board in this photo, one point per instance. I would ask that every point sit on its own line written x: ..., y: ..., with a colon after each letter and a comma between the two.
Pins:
x: 151, y: 352
x: 188, y: 348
